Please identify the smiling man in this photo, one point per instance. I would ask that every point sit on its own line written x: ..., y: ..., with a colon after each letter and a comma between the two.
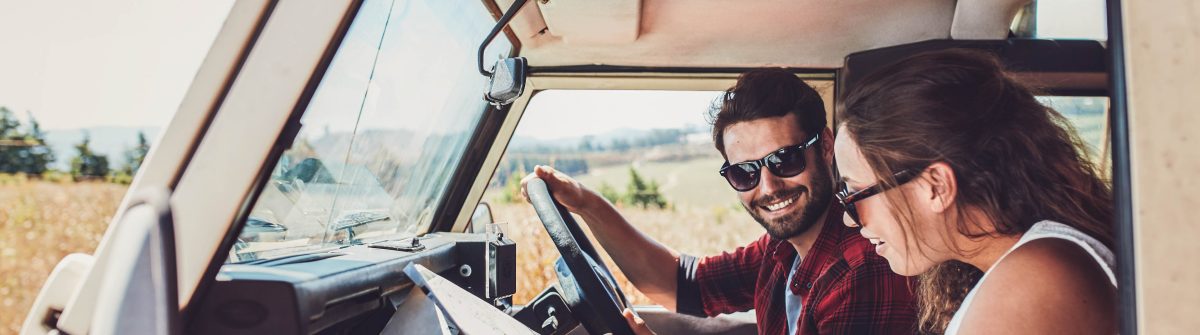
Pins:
x: 809, y: 273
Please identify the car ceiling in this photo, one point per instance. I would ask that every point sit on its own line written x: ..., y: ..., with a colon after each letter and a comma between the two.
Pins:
x: 742, y: 33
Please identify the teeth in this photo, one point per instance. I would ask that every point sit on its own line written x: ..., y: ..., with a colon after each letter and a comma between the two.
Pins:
x: 876, y: 241
x: 777, y: 206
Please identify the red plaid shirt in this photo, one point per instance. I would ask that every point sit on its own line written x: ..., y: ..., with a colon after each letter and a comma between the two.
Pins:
x: 846, y: 287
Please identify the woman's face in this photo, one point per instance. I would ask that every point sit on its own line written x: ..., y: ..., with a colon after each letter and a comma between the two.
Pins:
x: 893, y: 237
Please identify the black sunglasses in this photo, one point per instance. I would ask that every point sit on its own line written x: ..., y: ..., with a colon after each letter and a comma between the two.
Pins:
x: 848, y: 199
x: 784, y: 162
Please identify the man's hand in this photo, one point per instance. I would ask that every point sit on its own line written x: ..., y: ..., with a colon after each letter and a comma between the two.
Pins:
x: 636, y: 323
x: 649, y: 265
x: 570, y: 193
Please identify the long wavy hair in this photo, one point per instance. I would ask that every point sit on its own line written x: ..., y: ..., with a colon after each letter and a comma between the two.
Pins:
x: 1015, y: 159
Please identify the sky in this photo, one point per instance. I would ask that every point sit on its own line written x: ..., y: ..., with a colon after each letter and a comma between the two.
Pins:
x: 77, y: 63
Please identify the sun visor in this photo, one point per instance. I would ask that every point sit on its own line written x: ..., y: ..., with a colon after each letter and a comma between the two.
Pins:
x: 593, y: 22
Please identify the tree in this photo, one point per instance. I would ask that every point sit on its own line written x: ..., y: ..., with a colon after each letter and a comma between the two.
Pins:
x: 11, y: 141
x: 641, y: 193
x: 610, y: 193
x: 22, y: 152
x: 620, y: 145
x: 39, y: 153
x: 88, y: 165
x: 135, y: 156
x: 9, y: 125
x: 586, y: 144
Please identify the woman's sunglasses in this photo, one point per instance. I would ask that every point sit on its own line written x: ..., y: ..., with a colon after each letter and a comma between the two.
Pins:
x: 848, y: 199
x: 785, y: 162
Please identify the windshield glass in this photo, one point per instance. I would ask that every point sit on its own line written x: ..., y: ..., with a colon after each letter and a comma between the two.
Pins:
x: 383, y: 133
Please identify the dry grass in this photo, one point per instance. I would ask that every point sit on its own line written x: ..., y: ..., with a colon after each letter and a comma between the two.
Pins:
x: 40, y: 222
x: 691, y: 231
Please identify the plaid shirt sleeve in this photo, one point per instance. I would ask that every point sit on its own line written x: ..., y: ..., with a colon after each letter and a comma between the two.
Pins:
x: 868, y: 299
x: 720, y: 284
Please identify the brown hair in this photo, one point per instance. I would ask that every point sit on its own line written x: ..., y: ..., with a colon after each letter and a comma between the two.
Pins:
x: 764, y: 93
x: 1014, y: 159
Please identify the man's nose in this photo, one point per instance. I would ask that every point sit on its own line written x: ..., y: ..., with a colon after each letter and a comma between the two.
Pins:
x: 769, y: 182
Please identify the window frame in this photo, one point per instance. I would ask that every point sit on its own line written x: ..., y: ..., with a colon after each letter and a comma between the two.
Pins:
x: 591, y: 77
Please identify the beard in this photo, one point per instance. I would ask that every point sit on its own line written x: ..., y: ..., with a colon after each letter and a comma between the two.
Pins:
x: 800, y: 220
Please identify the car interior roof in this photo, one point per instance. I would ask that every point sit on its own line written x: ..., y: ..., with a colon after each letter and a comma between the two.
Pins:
x: 797, y: 34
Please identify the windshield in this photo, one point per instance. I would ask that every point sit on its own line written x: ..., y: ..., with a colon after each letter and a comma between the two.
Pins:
x: 383, y: 133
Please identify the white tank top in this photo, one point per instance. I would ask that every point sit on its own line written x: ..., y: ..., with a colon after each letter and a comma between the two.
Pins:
x: 1045, y: 229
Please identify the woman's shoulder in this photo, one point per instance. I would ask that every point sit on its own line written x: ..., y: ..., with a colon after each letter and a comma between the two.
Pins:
x: 1046, y: 285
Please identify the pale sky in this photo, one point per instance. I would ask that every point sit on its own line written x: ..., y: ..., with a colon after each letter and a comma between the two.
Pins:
x: 78, y: 63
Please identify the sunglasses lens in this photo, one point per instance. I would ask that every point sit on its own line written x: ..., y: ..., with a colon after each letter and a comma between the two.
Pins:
x: 743, y: 177
x: 787, y: 162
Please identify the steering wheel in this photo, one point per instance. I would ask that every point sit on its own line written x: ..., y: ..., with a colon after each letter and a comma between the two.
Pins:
x: 588, y: 287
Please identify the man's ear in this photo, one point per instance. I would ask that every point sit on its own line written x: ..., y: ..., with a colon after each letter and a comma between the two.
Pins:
x: 826, y: 145
x: 943, y: 188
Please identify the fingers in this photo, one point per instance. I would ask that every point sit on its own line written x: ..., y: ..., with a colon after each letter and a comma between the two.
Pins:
x: 539, y: 171
x: 636, y: 323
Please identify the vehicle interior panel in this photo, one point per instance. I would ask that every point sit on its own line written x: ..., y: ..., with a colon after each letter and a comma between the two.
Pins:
x: 309, y: 296
x: 1063, y: 67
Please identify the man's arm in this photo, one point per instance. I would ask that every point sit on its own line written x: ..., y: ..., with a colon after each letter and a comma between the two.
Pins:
x: 651, y: 266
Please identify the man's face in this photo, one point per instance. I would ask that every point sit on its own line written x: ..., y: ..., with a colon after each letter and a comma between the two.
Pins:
x: 789, y: 206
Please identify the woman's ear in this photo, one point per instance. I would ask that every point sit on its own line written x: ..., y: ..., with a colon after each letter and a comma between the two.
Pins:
x: 942, y: 186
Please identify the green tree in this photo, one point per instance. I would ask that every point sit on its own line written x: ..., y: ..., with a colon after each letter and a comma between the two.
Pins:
x: 22, y: 152
x: 39, y: 153
x: 10, y: 141
x: 88, y: 165
x: 9, y: 125
x: 610, y: 193
x: 135, y: 155
x: 639, y: 192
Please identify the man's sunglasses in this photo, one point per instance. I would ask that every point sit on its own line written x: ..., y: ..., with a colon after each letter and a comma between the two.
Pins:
x: 785, y: 162
x: 848, y: 199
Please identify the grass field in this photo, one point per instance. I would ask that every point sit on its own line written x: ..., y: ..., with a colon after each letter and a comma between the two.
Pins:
x: 40, y: 222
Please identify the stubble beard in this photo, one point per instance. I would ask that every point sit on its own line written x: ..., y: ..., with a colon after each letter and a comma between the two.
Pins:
x: 798, y: 221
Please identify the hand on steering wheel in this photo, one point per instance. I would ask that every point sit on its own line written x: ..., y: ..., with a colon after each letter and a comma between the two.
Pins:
x: 588, y: 286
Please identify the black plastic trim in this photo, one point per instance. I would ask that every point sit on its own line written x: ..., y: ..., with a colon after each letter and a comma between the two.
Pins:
x: 282, y: 143
x: 1042, y: 56
x: 1121, y: 176
x: 470, y: 164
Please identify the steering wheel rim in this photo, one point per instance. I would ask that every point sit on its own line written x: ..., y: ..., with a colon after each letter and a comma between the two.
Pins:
x: 589, y: 288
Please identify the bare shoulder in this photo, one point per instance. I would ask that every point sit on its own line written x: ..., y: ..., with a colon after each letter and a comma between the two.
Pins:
x: 1046, y: 286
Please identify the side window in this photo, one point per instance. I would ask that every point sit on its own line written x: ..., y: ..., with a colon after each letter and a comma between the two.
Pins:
x: 382, y: 134
x: 649, y: 152
x: 1089, y: 117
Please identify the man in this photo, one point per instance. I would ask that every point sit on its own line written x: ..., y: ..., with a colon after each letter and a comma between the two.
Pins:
x: 809, y: 274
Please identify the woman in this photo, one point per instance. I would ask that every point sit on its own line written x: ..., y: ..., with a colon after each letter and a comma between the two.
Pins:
x: 959, y: 175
